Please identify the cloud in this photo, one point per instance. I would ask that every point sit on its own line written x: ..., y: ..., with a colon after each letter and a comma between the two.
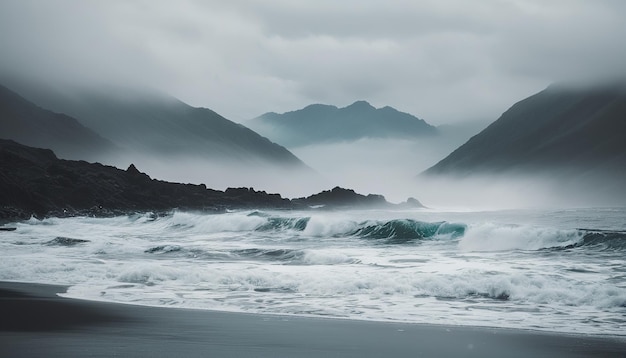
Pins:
x: 563, y: 40
x: 443, y: 61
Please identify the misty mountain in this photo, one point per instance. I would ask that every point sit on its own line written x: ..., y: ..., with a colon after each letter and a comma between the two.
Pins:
x: 574, y: 131
x: 320, y: 123
x: 26, y: 123
x: 158, y: 125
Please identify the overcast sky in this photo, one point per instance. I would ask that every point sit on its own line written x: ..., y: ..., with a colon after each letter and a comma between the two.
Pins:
x: 441, y: 60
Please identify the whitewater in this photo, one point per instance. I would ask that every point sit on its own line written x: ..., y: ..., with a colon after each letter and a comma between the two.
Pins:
x: 552, y: 270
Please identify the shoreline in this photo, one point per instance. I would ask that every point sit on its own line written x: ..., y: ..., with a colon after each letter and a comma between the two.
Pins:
x: 287, y: 316
x: 37, y: 322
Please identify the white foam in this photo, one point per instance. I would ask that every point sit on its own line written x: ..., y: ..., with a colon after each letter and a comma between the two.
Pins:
x: 369, y: 292
x: 498, y: 237
x: 325, y: 257
x: 324, y: 226
x: 229, y: 222
x: 488, y: 277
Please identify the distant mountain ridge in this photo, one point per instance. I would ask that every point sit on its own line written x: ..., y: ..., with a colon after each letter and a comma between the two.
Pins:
x: 160, y: 125
x: 27, y: 123
x: 578, y: 131
x: 319, y: 123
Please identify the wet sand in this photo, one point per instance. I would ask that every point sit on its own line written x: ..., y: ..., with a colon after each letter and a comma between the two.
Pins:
x: 35, y: 322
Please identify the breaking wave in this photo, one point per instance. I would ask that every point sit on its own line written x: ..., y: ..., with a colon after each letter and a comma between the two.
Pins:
x: 397, y: 231
x: 495, y: 237
x: 603, y: 239
x: 470, y: 237
x: 275, y: 223
x: 404, y: 231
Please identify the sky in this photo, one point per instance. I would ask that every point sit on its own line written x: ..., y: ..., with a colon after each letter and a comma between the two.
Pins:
x: 444, y: 61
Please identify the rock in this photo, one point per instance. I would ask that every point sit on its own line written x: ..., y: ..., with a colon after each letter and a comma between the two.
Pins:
x: 340, y: 197
x: 412, y: 203
x: 33, y: 182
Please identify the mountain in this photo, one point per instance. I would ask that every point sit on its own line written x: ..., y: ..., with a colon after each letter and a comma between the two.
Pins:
x: 573, y: 131
x: 320, y: 123
x: 25, y: 122
x: 158, y: 125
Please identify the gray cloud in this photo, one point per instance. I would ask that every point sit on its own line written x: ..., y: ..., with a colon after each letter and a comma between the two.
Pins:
x: 443, y: 61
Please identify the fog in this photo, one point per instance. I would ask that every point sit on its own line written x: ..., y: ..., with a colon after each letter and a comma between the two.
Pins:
x: 522, y: 190
x: 446, y: 61
x: 392, y: 168
x: 381, y: 166
x: 389, y: 168
x: 221, y: 174
x: 386, y: 166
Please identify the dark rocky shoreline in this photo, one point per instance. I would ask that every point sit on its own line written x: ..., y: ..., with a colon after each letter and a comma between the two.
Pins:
x: 35, y: 183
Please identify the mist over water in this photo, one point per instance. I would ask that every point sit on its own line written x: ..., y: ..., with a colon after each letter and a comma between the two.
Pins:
x: 381, y: 166
x: 530, y: 189
x: 386, y: 166
x: 392, y: 168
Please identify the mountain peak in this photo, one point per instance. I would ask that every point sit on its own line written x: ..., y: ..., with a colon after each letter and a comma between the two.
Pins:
x: 319, y: 123
x: 575, y: 130
x: 361, y: 105
x: 318, y: 106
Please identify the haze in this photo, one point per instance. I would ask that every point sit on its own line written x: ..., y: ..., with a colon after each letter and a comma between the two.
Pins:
x: 444, y: 61
x: 447, y: 62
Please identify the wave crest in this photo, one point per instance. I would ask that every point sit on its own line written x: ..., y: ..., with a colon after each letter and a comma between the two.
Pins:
x: 404, y: 231
x: 604, y: 240
x: 498, y: 237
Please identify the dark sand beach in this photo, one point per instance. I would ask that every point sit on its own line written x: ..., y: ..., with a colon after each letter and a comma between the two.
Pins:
x: 38, y: 323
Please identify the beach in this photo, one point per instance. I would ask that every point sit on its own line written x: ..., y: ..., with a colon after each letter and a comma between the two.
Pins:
x: 36, y: 322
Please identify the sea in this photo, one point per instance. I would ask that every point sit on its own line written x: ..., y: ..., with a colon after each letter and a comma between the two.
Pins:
x: 548, y: 270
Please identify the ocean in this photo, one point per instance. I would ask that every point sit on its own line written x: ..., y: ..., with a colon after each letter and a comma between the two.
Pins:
x: 549, y: 270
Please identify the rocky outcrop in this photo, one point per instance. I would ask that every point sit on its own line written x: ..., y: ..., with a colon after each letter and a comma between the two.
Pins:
x: 340, y: 197
x: 34, y: 182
